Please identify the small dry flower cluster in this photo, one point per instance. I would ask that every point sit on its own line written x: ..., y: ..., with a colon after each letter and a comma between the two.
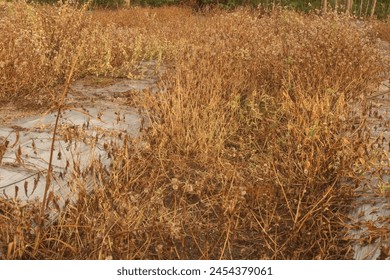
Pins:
x: 383, y: 29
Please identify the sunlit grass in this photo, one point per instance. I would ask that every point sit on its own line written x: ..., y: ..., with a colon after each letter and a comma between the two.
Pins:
x: 250, y: 145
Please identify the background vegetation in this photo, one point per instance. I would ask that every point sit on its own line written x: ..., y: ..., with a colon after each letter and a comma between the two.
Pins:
x: 360, y: 8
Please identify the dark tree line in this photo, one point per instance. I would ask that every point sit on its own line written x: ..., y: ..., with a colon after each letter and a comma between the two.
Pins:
x: 361, y: 8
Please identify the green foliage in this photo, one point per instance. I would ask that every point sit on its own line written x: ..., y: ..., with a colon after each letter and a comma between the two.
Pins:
x: 155, y: 3
x: 108, y: 3
x: 93, y: 3
x: 383, y: 9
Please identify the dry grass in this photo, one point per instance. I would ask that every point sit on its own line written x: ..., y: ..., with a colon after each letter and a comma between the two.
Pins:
x: 383, y: 29
x: 37, y: 44
x: 252, y: 147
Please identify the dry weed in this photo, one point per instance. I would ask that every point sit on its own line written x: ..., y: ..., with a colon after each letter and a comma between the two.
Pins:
x: 251, y: 142
x: 37, y: 43
x: 383, y: 29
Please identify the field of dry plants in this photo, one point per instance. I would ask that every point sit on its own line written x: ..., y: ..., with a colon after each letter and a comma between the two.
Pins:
x: 256, y: 138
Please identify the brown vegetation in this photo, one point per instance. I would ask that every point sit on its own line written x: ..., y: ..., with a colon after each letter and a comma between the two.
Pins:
x: 383, y: 29
x: 253, y: 145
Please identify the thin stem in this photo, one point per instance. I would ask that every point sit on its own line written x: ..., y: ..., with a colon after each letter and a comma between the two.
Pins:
x: 59, y: 106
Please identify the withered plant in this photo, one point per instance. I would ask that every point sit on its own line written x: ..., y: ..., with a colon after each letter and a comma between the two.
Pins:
x: 253, y: 147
